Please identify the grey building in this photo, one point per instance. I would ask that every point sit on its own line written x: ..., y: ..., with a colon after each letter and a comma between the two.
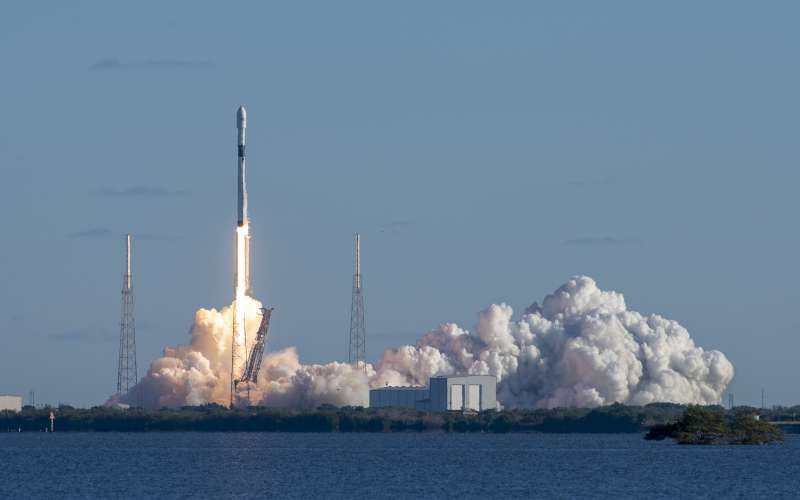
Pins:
x: 13, y: 403
x: 399, y: 397
x: 468, y: 392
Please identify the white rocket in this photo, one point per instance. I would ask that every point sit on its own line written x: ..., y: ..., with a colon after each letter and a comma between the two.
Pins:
x: 241, y: 126
x: 243, y: 223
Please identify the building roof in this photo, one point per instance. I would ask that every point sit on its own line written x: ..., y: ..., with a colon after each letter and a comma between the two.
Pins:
x: 401, y: 388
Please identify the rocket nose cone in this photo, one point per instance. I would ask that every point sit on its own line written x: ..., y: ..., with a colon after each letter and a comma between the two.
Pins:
x: 241, y: 117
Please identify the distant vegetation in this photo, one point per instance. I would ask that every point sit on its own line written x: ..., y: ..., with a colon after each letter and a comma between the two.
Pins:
x: 701, y: 425
x: 610, y: 419
x: 214, y: 418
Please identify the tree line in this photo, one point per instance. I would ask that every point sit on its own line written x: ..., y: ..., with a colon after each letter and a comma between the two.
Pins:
x: 215, y: 418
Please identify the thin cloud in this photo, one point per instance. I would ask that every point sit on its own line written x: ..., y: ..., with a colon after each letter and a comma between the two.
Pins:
x: 602, y: 241
x: 81, y: 335
x: 95, y: 232
x: 111, y: 64
x: 394, y: 225
x: 140, y: 191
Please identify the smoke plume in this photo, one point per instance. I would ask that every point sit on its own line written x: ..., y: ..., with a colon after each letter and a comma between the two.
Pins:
x: 580, y: 347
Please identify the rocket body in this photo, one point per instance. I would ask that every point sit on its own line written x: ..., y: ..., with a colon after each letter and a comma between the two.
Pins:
x: 241, y: 126
x: 242, y: 283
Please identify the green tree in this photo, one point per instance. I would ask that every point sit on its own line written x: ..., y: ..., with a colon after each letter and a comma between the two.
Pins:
x: 747, y: 428
x: 701, y: 426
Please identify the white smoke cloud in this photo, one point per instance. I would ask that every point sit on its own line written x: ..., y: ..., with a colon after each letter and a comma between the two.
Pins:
x: 581, y: 347
x: 199, y: 373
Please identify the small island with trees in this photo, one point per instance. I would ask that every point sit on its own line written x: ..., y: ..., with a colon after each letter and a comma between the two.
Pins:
x: 708, y: 425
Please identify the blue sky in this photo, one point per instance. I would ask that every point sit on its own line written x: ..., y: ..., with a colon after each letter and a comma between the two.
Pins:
x: 487, y: 152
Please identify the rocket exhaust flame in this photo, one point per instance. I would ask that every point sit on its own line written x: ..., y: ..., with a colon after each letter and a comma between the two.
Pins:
x: 240, y: 291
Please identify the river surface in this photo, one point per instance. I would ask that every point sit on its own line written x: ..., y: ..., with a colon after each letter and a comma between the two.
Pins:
x: 364, y: 466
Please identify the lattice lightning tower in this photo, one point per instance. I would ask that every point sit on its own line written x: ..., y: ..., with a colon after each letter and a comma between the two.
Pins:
x: 127, y: 374
x: 358, y: 334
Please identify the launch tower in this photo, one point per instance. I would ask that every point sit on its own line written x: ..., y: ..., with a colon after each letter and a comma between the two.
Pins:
x: 127, y: 372
x: 358, y: 334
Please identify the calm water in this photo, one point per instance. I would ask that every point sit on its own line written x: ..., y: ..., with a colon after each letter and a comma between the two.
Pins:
x: 200, y: 465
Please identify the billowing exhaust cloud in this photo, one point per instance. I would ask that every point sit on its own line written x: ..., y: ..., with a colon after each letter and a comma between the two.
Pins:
x: 199, y: 373
x: 580, y: 347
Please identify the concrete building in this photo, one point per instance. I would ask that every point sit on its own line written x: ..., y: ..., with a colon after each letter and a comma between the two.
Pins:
x: 399, y: 397
x: 13, y: 403
x: 469, y: 392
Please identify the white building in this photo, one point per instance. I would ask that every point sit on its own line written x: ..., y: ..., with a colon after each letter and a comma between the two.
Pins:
x: 469, y: 392
x: 13, y: 403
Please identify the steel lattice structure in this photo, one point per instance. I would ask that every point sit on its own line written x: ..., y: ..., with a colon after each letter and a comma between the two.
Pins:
x: 358, y: 329
x: 127, y: 373
x: 253, y: 365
